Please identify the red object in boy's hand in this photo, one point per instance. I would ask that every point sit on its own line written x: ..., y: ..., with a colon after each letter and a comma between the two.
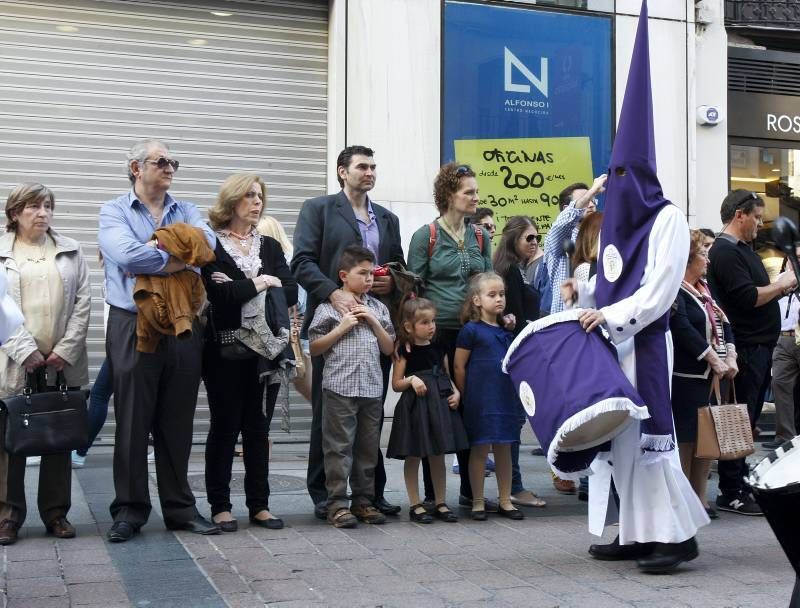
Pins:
x: 380, y: 271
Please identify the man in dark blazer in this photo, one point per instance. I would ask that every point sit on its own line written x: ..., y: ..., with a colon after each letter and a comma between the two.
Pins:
x: 326, y: 225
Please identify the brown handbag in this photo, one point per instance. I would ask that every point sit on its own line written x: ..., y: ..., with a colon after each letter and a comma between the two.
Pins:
x: 723, y: 430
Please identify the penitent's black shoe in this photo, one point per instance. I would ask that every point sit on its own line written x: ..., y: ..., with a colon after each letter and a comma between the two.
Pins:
x: 197, y: 525
x: 668, y: 556
x: 616, y: 552
x: 120, y: 532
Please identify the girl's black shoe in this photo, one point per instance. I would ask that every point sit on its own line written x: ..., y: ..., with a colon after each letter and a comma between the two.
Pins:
x: 445, y: 515
x: 421, y: 517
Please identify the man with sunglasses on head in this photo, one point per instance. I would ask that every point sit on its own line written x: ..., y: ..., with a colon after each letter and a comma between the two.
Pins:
x: 325, y: 227
x: 153, y: 392
x: 740, y: 283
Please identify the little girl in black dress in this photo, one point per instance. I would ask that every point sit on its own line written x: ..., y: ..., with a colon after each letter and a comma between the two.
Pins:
x: 426, y: 423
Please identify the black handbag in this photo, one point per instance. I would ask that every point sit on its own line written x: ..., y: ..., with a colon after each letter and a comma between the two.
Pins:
x: 44, y: 421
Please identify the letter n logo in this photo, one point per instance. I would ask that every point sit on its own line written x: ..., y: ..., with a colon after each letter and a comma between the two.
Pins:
x: 540, y: 83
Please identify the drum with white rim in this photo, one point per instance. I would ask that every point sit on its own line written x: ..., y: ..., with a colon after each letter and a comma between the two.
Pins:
x: 775, y: 482
x: 573, y: 389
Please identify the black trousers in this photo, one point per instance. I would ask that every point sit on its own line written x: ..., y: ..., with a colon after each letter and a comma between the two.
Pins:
x: 446, y: 338
x: 751, y: 384
x: 153, y: 393
x: 315, y: 475
x: 236, y: 403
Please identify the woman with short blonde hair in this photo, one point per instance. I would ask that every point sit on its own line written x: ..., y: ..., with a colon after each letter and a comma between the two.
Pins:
x: 232, y: 191
x: 246, y: 264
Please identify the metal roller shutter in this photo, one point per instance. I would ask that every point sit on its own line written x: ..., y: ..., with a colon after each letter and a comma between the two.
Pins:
x: 230, y: 86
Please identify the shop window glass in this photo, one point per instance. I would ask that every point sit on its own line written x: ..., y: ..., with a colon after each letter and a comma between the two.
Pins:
x: 774, y: 174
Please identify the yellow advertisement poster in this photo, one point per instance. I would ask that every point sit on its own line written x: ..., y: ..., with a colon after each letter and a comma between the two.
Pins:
x: 524, y: 176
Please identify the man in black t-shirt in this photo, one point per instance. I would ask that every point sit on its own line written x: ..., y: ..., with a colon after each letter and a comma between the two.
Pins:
x: 740, y: 284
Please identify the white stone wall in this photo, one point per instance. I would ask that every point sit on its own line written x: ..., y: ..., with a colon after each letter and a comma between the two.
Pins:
x: 386, y: 94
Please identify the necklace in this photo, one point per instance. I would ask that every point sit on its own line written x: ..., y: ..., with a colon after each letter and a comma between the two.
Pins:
x: 41, y: 246
x: 243, y: 238
x: 458, y: 236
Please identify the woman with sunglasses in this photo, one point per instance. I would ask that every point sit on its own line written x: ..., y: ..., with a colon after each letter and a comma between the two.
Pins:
x: 518, y: 247
x: 446, y: 253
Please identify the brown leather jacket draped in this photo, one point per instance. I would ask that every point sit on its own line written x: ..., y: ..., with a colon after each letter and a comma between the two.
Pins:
x: 168, y: 304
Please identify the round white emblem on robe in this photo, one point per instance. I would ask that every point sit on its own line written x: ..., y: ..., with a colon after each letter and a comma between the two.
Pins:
x: 527, y: 398
x: 612, y: 263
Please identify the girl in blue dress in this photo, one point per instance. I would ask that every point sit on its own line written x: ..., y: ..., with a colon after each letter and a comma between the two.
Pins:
x: 491, y: 408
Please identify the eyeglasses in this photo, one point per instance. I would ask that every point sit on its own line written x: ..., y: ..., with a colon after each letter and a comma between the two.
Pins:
x: 533, y: 237
x: 488, y: 226
x: 463, y: 170
x: 162, y: 163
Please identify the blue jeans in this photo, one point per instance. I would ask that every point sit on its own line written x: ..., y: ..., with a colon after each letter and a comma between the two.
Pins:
x: 101, y: 392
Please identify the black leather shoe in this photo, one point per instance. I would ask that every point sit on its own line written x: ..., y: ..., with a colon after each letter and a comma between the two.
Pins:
x: 120, y: 532
x: 667, y: 556
x: 478, y: 515
x: 273, y: 523
x: 514, y: 514
x: 616, y: 552
x: 386, y: 507
x: 198, y: 525
x: 321, y: 510
x: 490, y: 505
x: 228, y: 526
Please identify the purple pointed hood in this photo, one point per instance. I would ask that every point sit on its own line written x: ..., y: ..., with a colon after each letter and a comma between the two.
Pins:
x: 633, y: 200
x: 633, y: 192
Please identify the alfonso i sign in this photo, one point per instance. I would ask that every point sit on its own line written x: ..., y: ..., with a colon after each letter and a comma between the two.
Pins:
x: 526, y: 102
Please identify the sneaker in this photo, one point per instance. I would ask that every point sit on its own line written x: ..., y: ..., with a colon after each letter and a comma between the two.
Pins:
x: 33, y: 461
x: 368, y: 514
x: 151, y: 456
x: 740, y: 503
x: 77, y: 460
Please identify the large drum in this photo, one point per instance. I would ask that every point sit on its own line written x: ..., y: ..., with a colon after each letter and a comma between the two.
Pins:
x: 573, y: 390
x: 775, y: 482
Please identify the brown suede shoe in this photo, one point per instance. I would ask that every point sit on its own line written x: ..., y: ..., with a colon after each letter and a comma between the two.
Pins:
x: 61, y: 528
x: 565, y: 486
x: 8, y: 532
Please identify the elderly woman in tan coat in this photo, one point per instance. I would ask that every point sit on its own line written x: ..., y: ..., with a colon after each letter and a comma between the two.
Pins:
x: 49, y: 280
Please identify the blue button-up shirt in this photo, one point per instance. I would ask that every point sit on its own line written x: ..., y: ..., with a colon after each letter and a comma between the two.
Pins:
x: 369, y: 231
x: 125, y: 227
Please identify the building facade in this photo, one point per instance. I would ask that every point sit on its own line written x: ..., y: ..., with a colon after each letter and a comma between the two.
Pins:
x: 278, y: 87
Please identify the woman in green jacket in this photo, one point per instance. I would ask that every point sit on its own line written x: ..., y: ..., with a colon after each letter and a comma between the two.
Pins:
x: 446, y: 253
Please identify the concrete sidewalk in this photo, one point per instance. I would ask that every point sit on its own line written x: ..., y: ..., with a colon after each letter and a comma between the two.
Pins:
x: 539, y: 562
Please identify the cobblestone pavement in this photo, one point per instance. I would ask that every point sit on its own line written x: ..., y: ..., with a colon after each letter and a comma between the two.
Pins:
x: 539, y: 562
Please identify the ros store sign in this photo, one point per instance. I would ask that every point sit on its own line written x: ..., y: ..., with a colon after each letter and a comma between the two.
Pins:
x: 761, y: 116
